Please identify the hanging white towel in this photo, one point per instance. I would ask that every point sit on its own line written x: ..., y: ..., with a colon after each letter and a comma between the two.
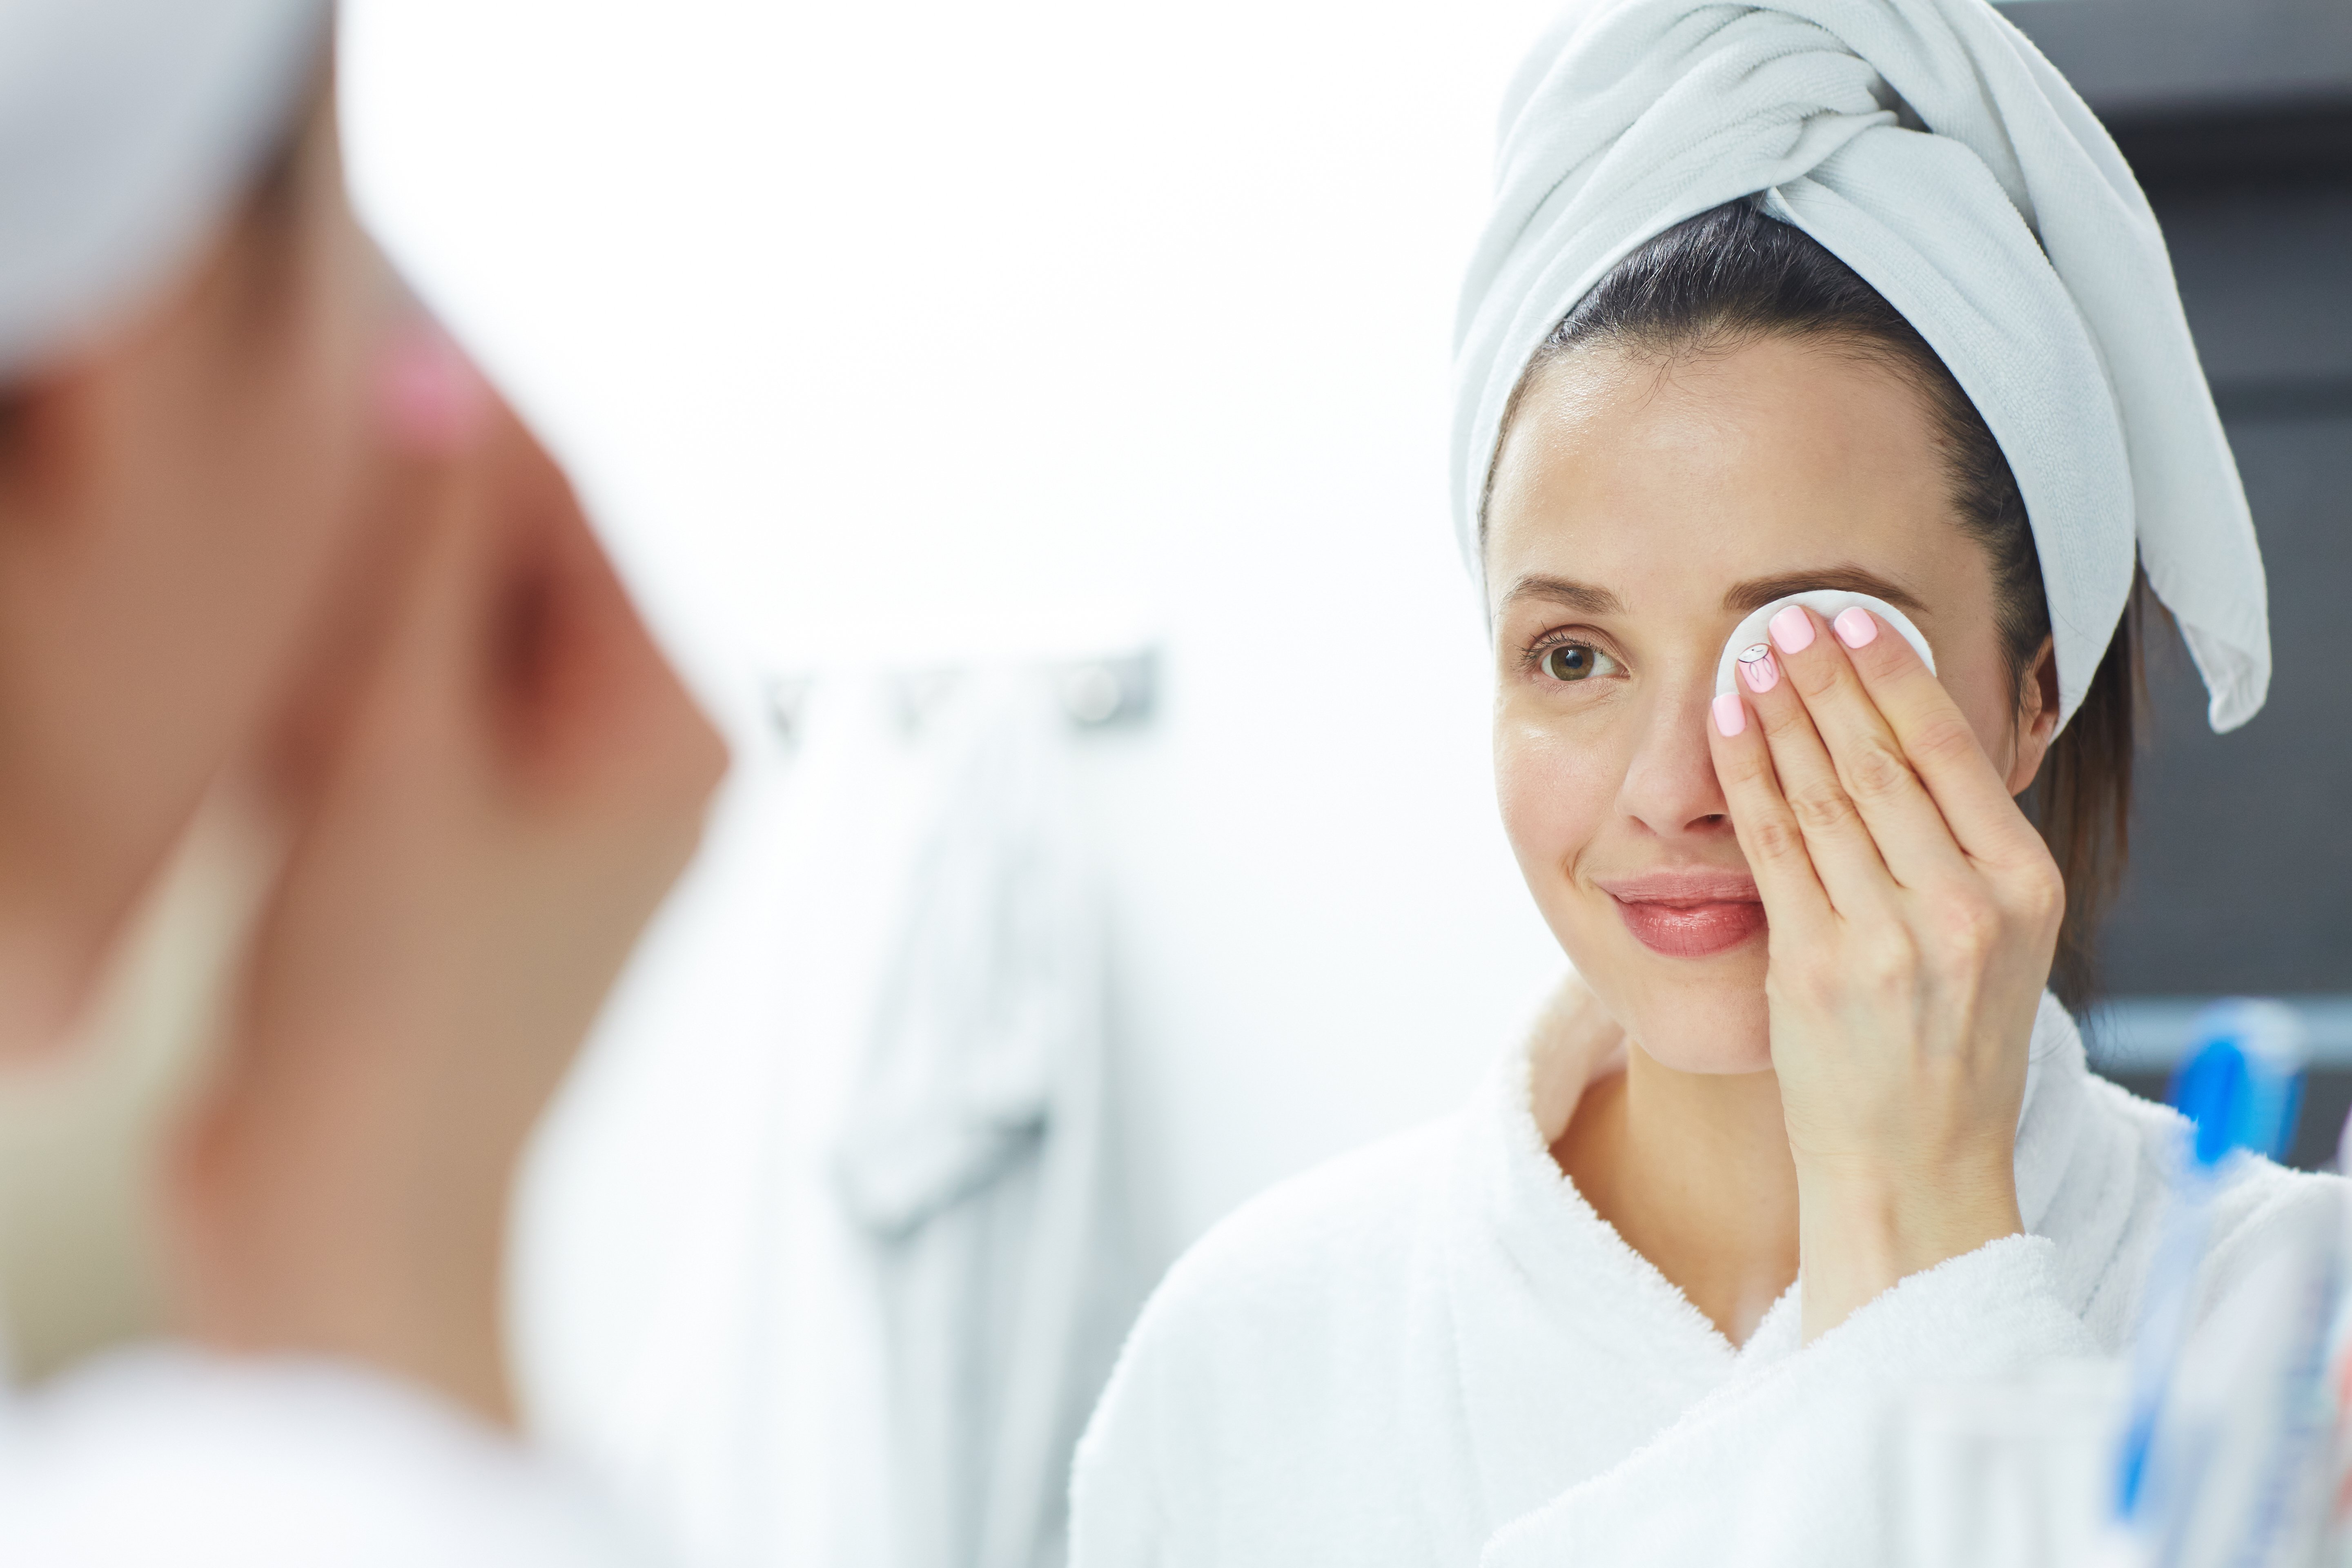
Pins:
x: 969, y: 1153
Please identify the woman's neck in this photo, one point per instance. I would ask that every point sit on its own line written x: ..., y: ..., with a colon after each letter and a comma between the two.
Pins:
x: 1693, y: 1170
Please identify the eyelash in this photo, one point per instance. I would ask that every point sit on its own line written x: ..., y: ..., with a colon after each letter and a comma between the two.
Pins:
x: 1532, y: 660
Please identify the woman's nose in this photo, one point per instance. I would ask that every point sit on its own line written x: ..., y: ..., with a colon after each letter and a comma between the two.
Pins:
x: 1670, y: 786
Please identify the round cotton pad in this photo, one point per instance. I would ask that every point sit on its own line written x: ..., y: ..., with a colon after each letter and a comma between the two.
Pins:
x: 1749, y: 639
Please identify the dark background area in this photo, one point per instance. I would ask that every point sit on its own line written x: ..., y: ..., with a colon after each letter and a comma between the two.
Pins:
x: 2237, y: 116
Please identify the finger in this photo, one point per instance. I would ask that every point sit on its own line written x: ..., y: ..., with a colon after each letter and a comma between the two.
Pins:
x: 602, y: 718
x: 1794, y: 900
x: 430, y: 410
x: 1902, y: 817
x: 1938, y: 741
x: 1844, y: 855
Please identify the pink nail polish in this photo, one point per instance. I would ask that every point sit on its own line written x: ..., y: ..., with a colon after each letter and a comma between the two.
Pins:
x: 1855, y: 627
x: 434, y: 402
x: 1792, y: 629
x: 1731, y: 714
x: 1758, y: 669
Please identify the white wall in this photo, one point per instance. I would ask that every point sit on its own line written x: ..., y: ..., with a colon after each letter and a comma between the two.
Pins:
x: 920, y: 330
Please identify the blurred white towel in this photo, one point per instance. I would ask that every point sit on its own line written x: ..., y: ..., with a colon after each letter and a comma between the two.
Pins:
x: 166, y: 1457
x: 810, y: 1257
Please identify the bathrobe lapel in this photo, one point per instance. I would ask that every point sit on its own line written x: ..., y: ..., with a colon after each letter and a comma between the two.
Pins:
x: 1569, y: 1350
x: 2076, y: 1170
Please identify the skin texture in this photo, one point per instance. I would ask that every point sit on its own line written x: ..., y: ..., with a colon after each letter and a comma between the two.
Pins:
x: 1840, y: 1089
x: 495, y: 787
x: 277, y: 530
x: 175, y: 501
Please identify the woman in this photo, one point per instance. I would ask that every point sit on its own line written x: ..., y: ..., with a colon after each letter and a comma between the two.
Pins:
x: 1821, y: 294
x: 261, y: 526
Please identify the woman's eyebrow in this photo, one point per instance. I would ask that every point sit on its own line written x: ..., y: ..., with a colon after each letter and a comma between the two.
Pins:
x: 1582, y: 597
x: 1758, y: 592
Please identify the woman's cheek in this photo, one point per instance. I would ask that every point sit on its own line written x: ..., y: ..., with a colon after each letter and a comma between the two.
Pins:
x: 1979, y: 680
x: 1552, y: 781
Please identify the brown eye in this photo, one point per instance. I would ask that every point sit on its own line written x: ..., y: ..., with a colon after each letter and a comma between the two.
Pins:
x: 1576, y: 661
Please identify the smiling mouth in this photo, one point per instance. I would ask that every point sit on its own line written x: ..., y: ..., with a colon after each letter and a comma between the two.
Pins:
x: 1692, y: 931
x: 1691, y: 922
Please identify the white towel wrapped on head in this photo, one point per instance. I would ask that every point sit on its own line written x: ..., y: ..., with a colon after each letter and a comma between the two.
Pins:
x: 126, y: 129
x: 1930, y: 147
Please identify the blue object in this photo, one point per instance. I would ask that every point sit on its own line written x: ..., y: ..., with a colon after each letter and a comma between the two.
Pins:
x: 2240, y: 1087
x: 2243, y: 1086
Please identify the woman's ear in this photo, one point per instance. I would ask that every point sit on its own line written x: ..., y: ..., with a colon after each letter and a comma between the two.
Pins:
x: 2037, y: 717
x: 47, y: 438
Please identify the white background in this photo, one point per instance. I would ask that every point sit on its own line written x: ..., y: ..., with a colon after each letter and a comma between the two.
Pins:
x: 909, y: 332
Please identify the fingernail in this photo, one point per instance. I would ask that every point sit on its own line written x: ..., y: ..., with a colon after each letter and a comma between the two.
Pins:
x: 1757, y: 667
x: 1792, y: 629
x: 1854, y: 626
x: 1731, y: 714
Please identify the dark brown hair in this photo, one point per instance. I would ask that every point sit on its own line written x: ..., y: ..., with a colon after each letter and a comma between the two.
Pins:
x: 1734, y: 274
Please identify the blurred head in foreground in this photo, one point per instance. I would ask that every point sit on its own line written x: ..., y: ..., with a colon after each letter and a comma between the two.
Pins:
x: 259, y: 519
x: 188, y: 319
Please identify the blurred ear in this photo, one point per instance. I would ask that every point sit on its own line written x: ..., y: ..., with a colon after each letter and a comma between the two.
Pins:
x: 2037, y: 718
x: 43, y: 428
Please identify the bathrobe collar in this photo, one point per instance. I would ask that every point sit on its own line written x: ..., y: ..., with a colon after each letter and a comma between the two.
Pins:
x: 1535, y: 1274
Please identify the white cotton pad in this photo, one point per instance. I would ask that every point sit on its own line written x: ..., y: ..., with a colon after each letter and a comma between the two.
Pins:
x: 1750, y: 640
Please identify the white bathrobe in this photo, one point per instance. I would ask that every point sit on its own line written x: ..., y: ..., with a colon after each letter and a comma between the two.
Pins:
x: 1434, y: 1351
x: 172, y: 1456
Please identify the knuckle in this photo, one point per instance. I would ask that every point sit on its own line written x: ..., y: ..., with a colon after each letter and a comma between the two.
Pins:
x: 1877, y: 773
x: 1970, y: 926
x: 1823, y: 808
x: 1889, y: 960
x: 1944, y: 739
x: 1785, y: 719
x: 1776, y: 837
x: 2040, y: 890
x: 1813, y: 677
x: 1744, y: 765
x: 2054, y: 895
x: 1808, y: 984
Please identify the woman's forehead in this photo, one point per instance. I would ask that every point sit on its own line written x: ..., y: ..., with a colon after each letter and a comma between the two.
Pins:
x: 1775, y: 464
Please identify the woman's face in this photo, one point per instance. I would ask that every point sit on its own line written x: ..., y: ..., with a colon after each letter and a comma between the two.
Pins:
x: 1639, y: 511
x: 177, y: 502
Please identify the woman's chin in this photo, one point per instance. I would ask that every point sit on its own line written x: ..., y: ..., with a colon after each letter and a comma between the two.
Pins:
x: 1696, y: 1014
x: 1684, y: 1048
x: 1707, y: 1017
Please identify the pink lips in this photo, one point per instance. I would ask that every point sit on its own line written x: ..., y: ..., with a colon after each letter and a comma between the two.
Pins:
x: 1693, y: 913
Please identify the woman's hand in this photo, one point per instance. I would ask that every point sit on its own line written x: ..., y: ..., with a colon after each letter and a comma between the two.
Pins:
x: 497, y: 777
x: 1914, y: 914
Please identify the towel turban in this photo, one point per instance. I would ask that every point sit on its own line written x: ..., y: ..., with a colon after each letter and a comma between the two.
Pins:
x: 1930, y: 147
x: 128, y: 129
